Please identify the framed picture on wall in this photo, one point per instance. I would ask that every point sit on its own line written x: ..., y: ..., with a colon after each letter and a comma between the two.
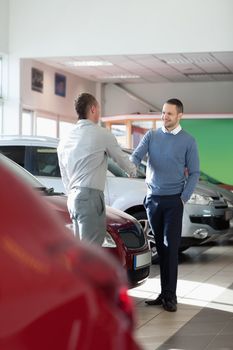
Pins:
x: 60, y: 85
x: 37, y: 80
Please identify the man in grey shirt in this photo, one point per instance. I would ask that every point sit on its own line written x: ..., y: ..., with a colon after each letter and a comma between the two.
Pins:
x: 83, y: 163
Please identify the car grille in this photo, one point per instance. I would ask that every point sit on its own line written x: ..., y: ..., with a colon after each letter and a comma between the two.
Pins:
x: 132, y: 237
x: 138, y: 275
x: 216, y: 222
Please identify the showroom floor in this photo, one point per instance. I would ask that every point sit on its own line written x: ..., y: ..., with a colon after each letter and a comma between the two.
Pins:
x: 204, y: 319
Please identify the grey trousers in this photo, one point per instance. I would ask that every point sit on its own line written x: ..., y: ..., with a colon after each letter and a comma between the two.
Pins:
x: 88, y: 214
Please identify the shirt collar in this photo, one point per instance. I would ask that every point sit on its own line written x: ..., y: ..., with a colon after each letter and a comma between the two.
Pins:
x: 85, y: 122
x: 173, y: 132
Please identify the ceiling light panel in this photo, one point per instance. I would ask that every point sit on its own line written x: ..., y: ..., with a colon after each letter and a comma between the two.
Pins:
x: 207, y: 62
x: 223, y: 77
x: 123, y: 76
x: 87, y: 63
x: 172, y: 59
x: 200, y: 77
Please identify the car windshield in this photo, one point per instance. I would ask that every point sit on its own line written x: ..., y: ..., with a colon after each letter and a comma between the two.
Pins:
x: 46, y: 162
x: 20, y: 172
x: 114, y: 168
x: 38, y: 160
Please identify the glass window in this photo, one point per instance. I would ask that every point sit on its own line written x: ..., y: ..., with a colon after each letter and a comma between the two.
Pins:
x: 27, y: 122
x: 116, y: 170
x: 21, y: 172
x: 16, y: 153
x: 1, y: 116
x: 0, y: 77
x: 1, y: 104
x: 46, y: 162
x: 46, y: 127
x: 119, y: 131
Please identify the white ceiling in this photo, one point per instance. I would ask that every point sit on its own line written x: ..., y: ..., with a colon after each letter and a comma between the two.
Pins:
x: 157, y: 68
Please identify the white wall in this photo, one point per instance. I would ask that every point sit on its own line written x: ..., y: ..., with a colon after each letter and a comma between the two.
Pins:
x: 77, y: 27
x: 49, y: 28
x: 4, y: 22
x: 47, y: 100
x: 115, y: 101
x: 205, y: 97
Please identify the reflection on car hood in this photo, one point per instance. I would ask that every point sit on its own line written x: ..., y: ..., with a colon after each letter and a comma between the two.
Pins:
x: 114, y: 216
x: 205, y: 190
x: 227, y: 195
x: 117, y: 216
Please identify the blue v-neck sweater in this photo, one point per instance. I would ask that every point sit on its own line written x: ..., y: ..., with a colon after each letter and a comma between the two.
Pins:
x: 168, y: 156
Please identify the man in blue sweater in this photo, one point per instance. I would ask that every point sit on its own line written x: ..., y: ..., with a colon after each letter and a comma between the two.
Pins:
x: 171, y: 176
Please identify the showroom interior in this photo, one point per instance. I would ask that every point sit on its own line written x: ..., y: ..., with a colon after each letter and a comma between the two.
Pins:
x: 132, y: 56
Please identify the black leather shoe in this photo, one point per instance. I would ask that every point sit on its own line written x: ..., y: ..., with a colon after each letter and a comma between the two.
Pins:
x: 169, y: 304
x: 157, y: 301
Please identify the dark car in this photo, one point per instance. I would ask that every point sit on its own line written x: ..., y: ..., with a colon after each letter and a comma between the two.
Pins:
x: 125, y: 238
x: 56, y: 292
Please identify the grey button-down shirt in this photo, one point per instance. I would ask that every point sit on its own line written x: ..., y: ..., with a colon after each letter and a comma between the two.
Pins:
x: 83, y: 156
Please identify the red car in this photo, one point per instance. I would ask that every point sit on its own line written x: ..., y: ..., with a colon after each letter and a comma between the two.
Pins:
x: 125, y: 238
x: 56, y: 292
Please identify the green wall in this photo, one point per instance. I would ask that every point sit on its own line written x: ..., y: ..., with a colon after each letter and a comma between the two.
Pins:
x: 215, y: 143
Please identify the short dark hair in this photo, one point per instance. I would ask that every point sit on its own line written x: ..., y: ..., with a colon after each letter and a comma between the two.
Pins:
x: 177, y: 103
x: 83, y: 103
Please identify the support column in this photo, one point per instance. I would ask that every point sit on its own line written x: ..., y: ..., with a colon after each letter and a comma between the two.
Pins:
x: 12, y: 106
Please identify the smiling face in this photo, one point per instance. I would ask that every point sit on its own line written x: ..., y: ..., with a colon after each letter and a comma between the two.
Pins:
x: 170, y: 116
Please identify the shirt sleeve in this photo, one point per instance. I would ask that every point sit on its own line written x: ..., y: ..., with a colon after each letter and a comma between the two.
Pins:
x: 141, y: 150
x: 193, y: 167
x: 121, y: 158
x: 63, y: 171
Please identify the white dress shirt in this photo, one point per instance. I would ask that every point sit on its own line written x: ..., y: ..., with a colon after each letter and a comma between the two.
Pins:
x: 83, y: 156
x: 174, y: 131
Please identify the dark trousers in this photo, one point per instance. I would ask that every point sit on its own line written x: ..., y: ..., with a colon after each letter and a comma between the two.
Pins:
x: 165, y: 218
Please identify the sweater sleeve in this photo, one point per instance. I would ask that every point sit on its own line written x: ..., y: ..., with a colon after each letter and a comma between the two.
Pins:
x: 141, y: 150
x: 193, y: 169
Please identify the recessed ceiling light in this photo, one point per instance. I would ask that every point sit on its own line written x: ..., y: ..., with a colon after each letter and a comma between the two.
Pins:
x: 195, y: 60
x: 122, y: 76
x: 88, y: 63
x: 207, y: 74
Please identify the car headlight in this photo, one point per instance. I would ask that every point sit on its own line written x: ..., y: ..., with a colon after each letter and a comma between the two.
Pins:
x: 199, y: 199
x: 69, y: 226
x: 108, y: 241
x: 230, y: 204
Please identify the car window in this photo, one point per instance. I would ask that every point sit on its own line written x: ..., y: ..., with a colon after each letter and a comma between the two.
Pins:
x: 20, y: 172
x: 16, y: 153
x: 46, y: 162
x: 116, y: 170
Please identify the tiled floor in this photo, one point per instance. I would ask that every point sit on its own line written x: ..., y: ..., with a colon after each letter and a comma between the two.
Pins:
x: 204, y: 319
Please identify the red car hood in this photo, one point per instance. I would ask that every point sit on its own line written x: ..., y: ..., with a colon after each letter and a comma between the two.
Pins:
x: 114, y: 216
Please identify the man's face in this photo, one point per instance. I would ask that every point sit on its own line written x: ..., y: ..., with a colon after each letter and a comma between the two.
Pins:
x: 170, y: 116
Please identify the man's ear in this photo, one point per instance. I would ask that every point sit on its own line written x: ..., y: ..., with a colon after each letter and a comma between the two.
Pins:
x: 93, y: 109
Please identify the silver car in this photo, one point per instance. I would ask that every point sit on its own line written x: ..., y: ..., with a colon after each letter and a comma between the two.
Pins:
x: 206, y: 215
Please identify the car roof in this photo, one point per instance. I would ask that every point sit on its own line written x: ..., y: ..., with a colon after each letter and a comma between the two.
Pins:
x: 24, y: 140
